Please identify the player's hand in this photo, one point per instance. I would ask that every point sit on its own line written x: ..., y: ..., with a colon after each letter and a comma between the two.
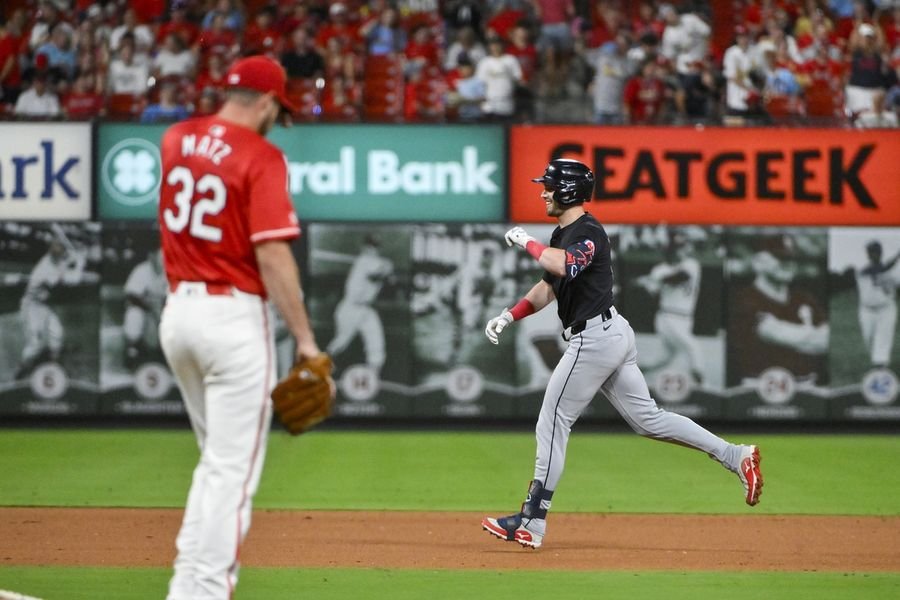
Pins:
x: 496, y: 325
x: 519, y: 237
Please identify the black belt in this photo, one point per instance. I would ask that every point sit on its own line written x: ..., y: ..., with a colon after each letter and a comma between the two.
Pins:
x: 579, y: 326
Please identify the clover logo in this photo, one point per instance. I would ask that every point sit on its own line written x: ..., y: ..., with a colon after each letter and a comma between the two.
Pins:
x: 131, y: 172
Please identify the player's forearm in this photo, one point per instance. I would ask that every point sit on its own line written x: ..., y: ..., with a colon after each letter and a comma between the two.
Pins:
x: 281, y: 278
x: 540, y: 295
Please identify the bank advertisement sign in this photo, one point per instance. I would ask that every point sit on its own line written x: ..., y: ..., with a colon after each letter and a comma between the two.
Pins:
x: 45, y: 171
x: 338, y: 173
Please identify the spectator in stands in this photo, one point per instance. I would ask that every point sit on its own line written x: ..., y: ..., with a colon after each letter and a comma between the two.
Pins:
x: 467, y: 92
x: 607, y: 21
x: 782, y: 42
x: 217, y: 38
x: 685, y: 39
x: 142, y: 35
x: 233, y: 19
x: 647, y: 22
x: 421, y: 51
x: 467, y: 43
x: 504, y: 16
x: 697, y: 93
x: 868, y: 71
x: 302, y: 59
x: 83, y: 101
x: 46, y: 18
x: 12, y: 43
x: 643, y: 95
x: 881, y: 116
x: 126, y: 76
x: 462, y: 14
x: 38, y: 101
x: 261, y: 36
x: 340, y: 60
x: 612, y: 70
x: 646, y: 48
x: 555, y: 38
x: 779, y: 80
x: 95, y: 22
x: 338, y: 26
x: 292, y: 16
x: 500, y: 72
x: 892, y: 30
x: 174, y: 60
x: 178, y: 23
x: 167, y: 109
x: 59, y: 52
x: 213, y: 77
x: 821, y: 70
x: 384, y: 35
x: 736, y: 64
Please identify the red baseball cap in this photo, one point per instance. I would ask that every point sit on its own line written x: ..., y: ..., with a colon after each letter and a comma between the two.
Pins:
x: 261, y: 74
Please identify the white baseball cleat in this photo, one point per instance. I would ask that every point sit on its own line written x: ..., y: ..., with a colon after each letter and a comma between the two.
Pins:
x: 511, y: 529
x: 750, y: 475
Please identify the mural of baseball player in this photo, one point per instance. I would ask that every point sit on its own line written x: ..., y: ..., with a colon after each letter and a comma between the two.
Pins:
x: 145, y: 294
x: 62, y: 265
x: 676, y: 283
x: 777, y: 320
x: 877, y: 287
x: 354, y: 314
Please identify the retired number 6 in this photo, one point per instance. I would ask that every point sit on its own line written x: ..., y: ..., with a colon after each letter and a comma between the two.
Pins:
x: 211, y: 190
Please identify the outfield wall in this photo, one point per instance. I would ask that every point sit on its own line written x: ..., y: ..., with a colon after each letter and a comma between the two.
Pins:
x: 434, y: 203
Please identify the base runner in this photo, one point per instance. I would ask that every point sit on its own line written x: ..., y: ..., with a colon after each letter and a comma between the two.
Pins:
x: 601, y: 354
x: 226, y: 220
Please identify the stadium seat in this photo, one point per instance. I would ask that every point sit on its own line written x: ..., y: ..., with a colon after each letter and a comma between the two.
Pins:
x: 124, y: 107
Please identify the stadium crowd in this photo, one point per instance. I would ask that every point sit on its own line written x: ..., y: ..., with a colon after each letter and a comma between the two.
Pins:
x: 832, y: 62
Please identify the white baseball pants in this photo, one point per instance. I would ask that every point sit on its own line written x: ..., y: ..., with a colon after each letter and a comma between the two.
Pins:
x: 221, y: 351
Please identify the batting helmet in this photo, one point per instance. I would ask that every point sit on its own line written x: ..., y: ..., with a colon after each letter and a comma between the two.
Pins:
x: 572, y: 181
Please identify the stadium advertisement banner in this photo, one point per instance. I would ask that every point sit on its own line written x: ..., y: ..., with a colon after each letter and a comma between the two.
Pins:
x: 337, y: 173
x: 45, y: 172
x: 718, y: 176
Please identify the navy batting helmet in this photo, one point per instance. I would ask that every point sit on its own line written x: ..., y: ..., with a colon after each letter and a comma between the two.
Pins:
x: 572, y: 181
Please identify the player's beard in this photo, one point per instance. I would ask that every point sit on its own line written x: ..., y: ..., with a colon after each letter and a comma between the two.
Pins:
x: 554, y: 209
x: 270, y: 117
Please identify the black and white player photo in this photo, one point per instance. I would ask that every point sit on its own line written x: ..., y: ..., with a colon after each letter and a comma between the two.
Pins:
x: 863, y: 278
x: 463, y: 274
x: 360, y: 309
x: 133, y: 293
x: 777, y: 310
x: 48, y: 285
x: 673, y: 292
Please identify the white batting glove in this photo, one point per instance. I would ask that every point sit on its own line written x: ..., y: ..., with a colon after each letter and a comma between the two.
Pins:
x: 519, y: 237
x: 496, y: 325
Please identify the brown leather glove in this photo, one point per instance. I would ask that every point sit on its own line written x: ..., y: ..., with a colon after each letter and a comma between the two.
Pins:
x: 303, y: 398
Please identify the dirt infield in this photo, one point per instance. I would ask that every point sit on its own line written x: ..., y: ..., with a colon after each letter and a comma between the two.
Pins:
x: 145, y: 537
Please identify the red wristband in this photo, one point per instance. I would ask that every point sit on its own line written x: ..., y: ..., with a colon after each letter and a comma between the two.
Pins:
x: 522, y: 309
x: 535, y: 248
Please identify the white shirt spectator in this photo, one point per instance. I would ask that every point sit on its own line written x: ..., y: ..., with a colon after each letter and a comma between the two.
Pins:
x: 499, y: 74
x: 32, y: 104
x: 174, y: 63
x: 736, y: 65
x: 128, y: 78
x: 143, y: 37
x: 686, y: 42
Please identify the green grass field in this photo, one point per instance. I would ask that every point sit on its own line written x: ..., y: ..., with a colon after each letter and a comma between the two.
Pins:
x: 815, y: 474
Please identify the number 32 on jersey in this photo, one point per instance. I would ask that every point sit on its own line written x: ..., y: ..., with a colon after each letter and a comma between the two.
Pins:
x: 211, y: 195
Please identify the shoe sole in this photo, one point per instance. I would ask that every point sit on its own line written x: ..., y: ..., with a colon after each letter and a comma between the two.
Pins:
x: 498, y: 532
x: 754, y: 478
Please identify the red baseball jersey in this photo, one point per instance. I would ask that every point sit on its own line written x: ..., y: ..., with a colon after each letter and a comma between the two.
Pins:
x: 224, y: 189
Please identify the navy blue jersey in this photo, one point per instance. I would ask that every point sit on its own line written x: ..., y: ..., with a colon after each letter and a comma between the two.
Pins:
x: 586, y: 289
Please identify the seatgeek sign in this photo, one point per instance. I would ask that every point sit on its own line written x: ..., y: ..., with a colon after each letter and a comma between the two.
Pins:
x: 45, y: 171
x: 338, y: 173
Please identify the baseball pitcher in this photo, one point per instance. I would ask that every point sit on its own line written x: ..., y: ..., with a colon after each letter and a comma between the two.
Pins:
x: 145, y: 294
x: 226, y: 220
x: 600, y: 356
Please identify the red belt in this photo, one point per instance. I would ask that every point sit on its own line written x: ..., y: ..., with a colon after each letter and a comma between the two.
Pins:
x: 212, y: 289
